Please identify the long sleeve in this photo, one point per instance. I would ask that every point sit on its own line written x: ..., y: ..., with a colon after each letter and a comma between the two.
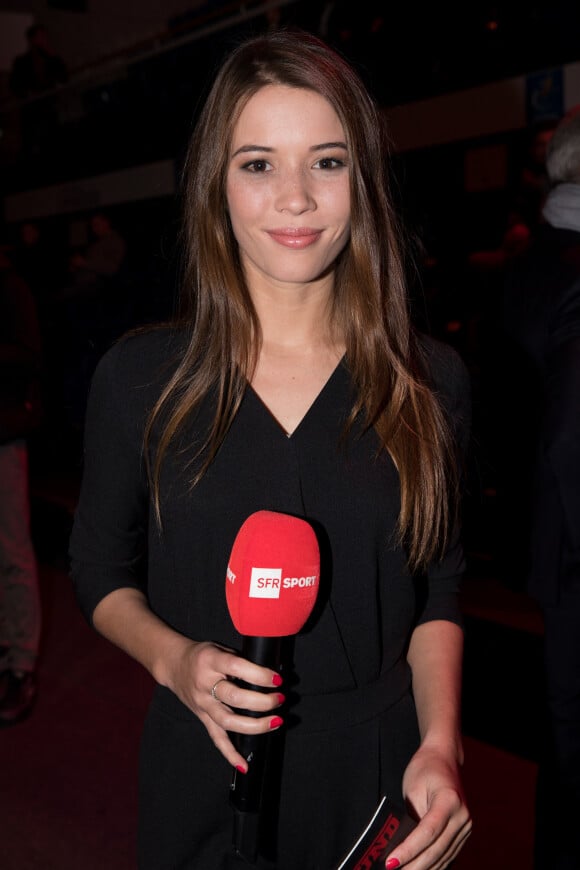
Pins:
x: 440, y: 591
x: 108, y: 543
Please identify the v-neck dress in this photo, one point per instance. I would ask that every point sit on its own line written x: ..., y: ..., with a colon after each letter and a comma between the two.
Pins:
x: 350, y: 727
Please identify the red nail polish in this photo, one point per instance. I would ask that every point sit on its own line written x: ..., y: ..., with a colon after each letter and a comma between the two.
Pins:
x: 239, y: 768
x: 281, y: 698
x: 277, y: 680
x: 276, y: 722
x: 392, y: 864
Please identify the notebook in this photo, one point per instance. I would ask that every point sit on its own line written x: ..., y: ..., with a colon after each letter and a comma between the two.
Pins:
x: 388, y: 826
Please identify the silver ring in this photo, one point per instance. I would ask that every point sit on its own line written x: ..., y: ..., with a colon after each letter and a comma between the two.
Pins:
x: 214, y: 687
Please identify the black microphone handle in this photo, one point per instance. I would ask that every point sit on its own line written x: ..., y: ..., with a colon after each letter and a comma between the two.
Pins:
x: 246, y: 789
x: 264, y: 651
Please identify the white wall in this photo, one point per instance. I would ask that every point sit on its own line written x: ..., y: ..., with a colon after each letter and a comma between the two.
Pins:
x: 152, y: 181
x: 493, y: 108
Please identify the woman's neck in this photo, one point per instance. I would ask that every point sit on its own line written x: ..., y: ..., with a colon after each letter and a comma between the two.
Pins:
x: 294, y: 319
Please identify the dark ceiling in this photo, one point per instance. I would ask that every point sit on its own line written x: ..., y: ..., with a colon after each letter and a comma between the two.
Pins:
x: 412, y: 50
x: 405, y: 51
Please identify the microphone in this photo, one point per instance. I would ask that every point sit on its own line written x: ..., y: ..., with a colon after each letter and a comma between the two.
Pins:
x: 271, y: 587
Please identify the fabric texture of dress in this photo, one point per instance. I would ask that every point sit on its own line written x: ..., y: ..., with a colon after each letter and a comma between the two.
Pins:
x: 351, y: 726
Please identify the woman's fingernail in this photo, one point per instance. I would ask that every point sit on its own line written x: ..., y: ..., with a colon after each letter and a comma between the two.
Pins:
x: 281, y: 698
x: 277, y: 680
x: 240, y: 769
x: 392, y: 863
x: 276, y: 722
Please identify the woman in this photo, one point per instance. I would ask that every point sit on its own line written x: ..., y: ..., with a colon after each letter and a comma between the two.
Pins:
x: 292, y: 382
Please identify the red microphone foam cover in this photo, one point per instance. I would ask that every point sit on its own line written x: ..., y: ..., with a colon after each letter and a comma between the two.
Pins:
x: 273, y: 575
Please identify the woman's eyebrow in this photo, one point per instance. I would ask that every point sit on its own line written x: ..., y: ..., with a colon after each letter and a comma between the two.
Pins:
x: 246, y: 148
x: 324, y: 145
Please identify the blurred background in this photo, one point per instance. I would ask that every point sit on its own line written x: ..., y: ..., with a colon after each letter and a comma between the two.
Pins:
x: 97, y: 102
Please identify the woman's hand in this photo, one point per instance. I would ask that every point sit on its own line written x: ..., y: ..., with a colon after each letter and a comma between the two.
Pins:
x: 432, y: 787
x: 201, y: 667
x: 191, y: 670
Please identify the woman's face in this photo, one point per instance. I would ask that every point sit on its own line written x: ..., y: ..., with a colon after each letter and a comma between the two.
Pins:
x: 288, y: 187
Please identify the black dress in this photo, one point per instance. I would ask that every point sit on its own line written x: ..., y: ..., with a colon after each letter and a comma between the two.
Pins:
x: 351, y: 727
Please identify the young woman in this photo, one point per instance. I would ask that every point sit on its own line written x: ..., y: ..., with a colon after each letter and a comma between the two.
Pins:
x: 292, y: 382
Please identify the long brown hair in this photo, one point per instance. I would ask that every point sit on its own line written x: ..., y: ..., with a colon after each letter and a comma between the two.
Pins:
x: 370, y: 300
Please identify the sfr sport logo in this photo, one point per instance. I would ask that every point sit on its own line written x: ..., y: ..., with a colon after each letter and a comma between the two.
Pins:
x: 267, y: 582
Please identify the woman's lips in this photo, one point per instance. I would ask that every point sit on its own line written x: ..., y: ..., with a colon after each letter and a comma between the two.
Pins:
x: 300, y: 237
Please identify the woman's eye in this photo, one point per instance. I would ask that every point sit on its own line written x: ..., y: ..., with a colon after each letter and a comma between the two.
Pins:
x: 329, y: 163
x: 256, y: 166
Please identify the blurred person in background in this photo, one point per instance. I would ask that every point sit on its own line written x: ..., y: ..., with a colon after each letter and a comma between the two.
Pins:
x: 542, y: 323
x: 38, y: 260
x: 39, y: 69
x: 91, y: 312
x: 20, y: 410
x: 102, y: 259
x: 33, y: 76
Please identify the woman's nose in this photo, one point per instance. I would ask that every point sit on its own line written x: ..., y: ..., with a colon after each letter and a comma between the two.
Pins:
x: 294, y: 193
